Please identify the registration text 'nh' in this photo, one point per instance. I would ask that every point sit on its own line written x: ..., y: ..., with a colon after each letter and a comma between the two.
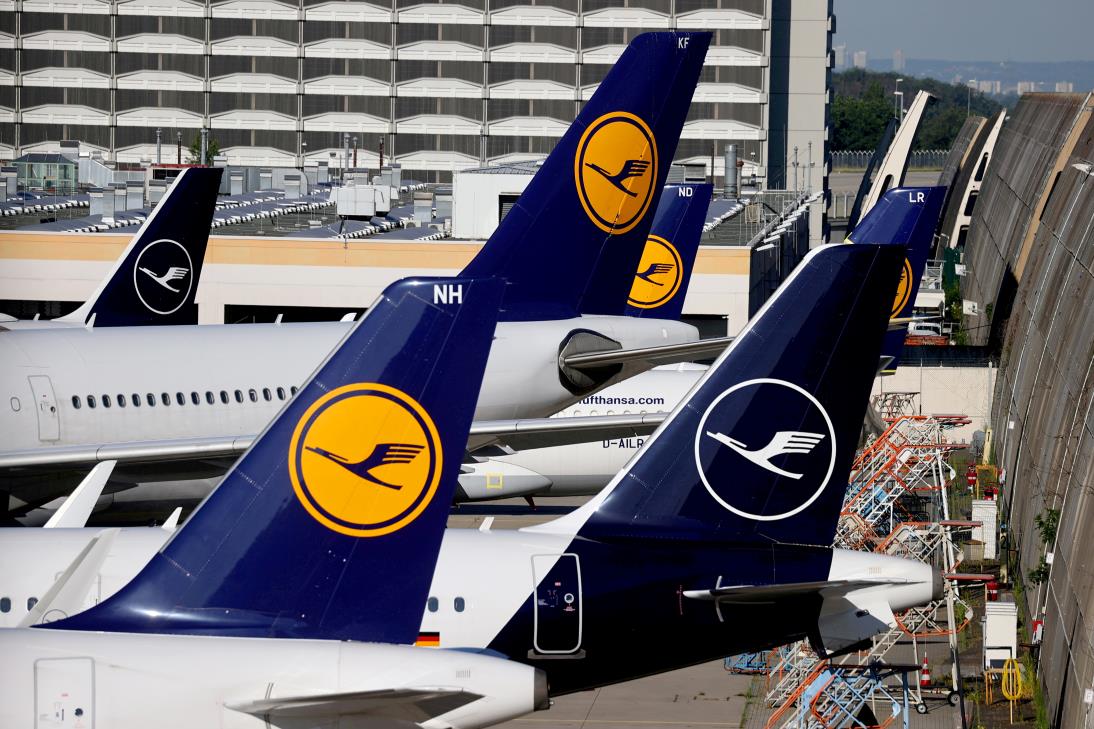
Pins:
x: 447, y: 293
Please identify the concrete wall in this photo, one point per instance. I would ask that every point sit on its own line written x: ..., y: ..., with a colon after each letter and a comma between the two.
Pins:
x: 1035, y: 142
x: 946, y: 391
x: 1042, y: 197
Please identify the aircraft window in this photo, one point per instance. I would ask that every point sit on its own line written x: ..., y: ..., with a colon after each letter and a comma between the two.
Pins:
x: 15, y: 404
x: 432, y: 604
x: 253, y: 394
x: 209, y: 398
x: 121, y: 400
x: 293, y: 389
x: 31, y: 602
x: 91, y: 401
x: 267, y: 394
x: 106, y: 401
x: 281, y: 393
x: 195, y: 398
x: 136, y: 400
x: 151, y: 400
x: 239, y: 396
x: 224, y: 397
x: 76, y: 403
x: 180, y: 398
x: 5, y: 604
x: 165, y: 398
x: 459, y: 604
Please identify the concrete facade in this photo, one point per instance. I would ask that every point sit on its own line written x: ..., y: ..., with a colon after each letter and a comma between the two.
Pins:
x: 444, y: 86
x: 946, y: 391
x: 1031, y: 250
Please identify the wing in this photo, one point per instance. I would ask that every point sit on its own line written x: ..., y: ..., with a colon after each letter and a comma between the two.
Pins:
x: 388, y: 453
x: 792, y: 441
x: 175, y: 272
x: 662, y: 267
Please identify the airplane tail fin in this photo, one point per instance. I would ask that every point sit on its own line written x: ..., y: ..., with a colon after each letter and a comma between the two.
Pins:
x: 905, y: 216
x: 664, y: 270
x: 590, y: 205
x: 156, y: 279
x: 329, y: 526
x: 760, y: 449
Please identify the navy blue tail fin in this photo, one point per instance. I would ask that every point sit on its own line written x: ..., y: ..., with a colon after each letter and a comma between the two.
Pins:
x: 329, y: 526
x: 664, y: 270
x: 591, y: 203
x: 156, y: 279
x: 760, y: 449
x: 905, y: 216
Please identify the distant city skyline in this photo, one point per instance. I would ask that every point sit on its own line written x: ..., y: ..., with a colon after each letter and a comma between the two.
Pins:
x: 970, y: 30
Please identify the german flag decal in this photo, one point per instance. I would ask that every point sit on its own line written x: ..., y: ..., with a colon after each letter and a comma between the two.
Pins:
x: 429, y: 640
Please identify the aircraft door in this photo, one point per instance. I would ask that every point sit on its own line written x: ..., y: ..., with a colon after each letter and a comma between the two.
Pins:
x: 64, y: 693
x: 49, y: 420
x: 558, y: 618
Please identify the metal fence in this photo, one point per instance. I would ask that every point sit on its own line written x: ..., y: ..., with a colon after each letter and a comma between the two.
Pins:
x: 920, y: 159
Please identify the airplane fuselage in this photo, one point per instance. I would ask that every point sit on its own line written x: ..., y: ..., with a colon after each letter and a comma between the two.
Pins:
x: 129, y: 681
x: 78, y: 386
x: 587, y: 612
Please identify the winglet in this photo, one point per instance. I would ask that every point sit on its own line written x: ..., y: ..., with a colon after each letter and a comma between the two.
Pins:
x: 156, y: 279
x: 293, y: 545
x: 664, y: 271
x: 591, y: 204
x: 77, y: 508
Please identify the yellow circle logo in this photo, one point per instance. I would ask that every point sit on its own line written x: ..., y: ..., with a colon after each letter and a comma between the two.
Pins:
x: 659, y: 274
x: 615, y: 170
x: 903, y: 288
x: 365, y: 460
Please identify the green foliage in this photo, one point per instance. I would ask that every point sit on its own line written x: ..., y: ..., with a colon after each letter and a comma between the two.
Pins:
x: 863, y: 103
x: 1047, y: 523
x: 1038, y: 574
x: 212, y: 149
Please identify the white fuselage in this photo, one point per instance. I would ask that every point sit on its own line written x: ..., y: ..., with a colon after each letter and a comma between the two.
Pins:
x: 133, y: 681
x: 66, y: 386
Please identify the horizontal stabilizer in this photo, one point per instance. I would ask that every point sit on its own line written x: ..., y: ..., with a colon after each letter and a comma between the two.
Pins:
x: 400, y: 705
x: 771, y: 593
x: 664, y: 354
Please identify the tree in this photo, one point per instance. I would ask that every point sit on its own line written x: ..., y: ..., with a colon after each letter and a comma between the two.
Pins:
x: 212, y: 149
x: 863, y: 103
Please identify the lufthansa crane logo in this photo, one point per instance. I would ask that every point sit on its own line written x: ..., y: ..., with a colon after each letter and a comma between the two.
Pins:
x: 163, y: 276
x: 615, y: 170
x: 765, y: 449
x: 903, y: 289
x: 365, y: 460
x: 660, y: 272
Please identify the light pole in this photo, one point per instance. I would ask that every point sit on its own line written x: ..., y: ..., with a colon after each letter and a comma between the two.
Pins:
x: 899, y: 99
x: 178, y: 139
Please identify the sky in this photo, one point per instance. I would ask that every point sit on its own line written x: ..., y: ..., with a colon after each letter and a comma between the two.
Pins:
x: 968, y: 30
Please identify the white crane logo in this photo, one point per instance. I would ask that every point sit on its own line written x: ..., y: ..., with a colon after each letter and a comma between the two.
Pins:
x: 748, y: 410
x: 784, y: 442
x: 174, y: 273
x: 172, y: 288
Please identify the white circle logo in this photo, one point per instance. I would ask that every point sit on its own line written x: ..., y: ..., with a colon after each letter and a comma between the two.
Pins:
x: 765, y: 449
x: 163, y: 276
